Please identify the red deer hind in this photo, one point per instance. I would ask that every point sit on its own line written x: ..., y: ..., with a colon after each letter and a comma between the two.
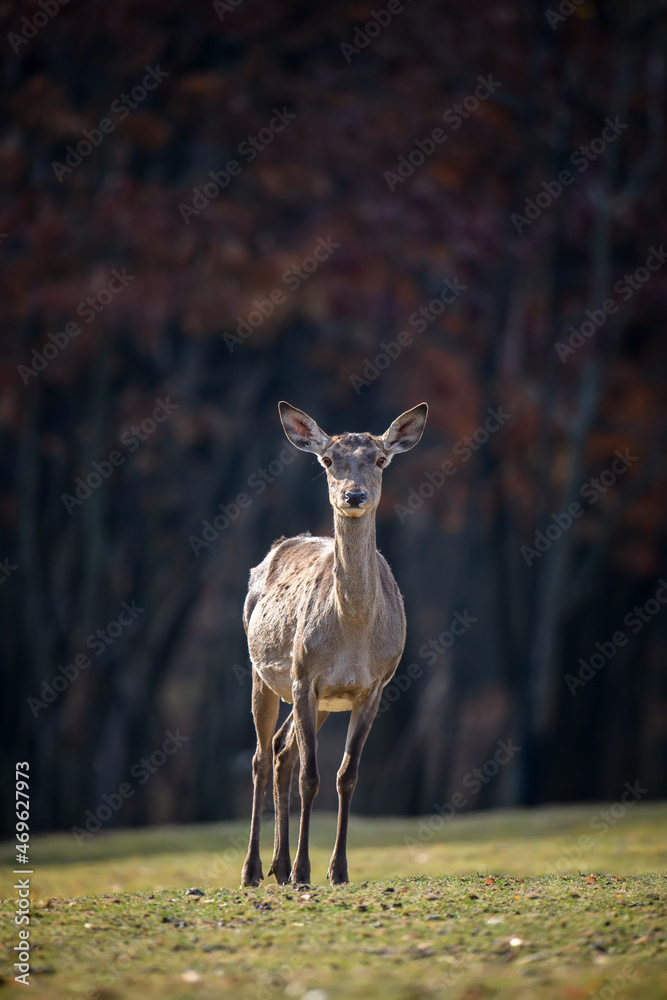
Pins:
x: 326, y: 630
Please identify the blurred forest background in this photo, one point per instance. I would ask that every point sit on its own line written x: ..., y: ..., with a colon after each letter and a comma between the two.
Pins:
x: 158, y: 334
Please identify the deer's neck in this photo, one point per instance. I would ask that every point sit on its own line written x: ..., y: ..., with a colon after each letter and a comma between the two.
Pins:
x: 355, y: 570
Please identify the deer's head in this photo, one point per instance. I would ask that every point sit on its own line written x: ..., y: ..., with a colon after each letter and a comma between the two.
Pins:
x: 354, y: 462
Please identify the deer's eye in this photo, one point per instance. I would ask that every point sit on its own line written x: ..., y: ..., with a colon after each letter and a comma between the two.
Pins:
x: 381, y: 461
x: 326, y: 461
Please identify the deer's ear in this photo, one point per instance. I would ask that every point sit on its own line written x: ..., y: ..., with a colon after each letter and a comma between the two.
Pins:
x: 406, y: 430
x: 302, y: 430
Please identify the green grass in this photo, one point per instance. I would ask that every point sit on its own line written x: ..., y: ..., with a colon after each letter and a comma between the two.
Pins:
x: 488, y: 906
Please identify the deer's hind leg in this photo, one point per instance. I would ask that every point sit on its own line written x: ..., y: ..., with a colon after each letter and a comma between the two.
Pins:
x: 285, y: 753
x: 265, y: 705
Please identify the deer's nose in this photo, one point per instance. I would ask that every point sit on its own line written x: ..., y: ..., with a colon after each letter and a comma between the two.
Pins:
x: 354, y: 499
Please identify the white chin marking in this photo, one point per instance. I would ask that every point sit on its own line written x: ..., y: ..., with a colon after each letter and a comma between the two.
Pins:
x: 352, y: 511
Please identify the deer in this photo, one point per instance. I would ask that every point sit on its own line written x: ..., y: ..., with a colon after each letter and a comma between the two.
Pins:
x: 325, y: 624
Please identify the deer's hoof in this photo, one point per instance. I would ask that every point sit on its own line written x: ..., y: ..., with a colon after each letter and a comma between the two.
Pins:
x: 300, y: 876
x: 337, y: 874
x: 281, y: 870
x: 252, y: 875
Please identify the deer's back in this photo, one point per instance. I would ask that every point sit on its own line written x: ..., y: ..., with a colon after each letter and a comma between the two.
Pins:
x: 278, y: 584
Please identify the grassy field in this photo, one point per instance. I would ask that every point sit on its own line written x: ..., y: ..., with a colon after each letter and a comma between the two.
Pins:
x: 495, y: 905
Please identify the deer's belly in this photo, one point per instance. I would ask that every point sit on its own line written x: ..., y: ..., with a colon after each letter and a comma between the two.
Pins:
x: 338, y: 685
x: 277, y: 676
x: 335, y: 704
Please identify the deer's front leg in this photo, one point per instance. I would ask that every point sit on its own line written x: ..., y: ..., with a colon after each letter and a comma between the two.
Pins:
x: 361, y: 720
x: 305, y: 727
x: 265, y: 705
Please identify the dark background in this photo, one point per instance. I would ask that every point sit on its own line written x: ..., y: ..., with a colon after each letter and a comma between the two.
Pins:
x: 183, y: 663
